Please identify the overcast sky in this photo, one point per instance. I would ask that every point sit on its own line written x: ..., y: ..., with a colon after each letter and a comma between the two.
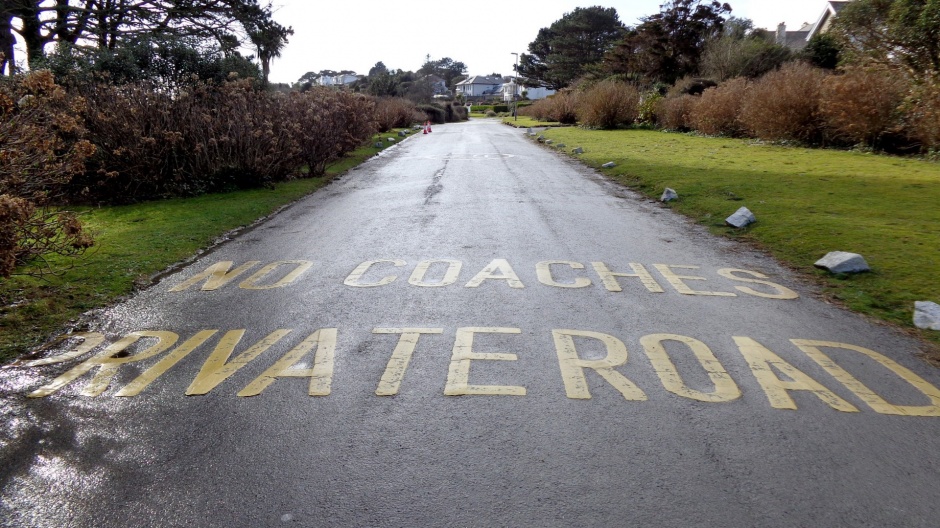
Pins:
x: 355, y: 34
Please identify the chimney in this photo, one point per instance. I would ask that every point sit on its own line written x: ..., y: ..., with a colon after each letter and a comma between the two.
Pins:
x: 782, y: 34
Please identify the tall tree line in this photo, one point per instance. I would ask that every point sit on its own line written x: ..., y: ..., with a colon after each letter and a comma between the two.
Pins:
x: 110, y: 24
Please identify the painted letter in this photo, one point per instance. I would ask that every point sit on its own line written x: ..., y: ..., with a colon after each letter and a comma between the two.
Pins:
x: 458, y: 383
x: 353, y: 278
x: 683, y: 288
x: 398, y: 363
x: 760, y: 360
x: 321, y: 375
x: 489, y: 272
x: 781, y: 293
x: 450, y: 276
x: 251, y: 283
x: 572, y: 366
x: 218, y: 368
x: 216, y: 275
x: 544, y: 272
x: 108, y: 364
x: 610, y: 277
x: 812, y: 349
x: 725, y: 388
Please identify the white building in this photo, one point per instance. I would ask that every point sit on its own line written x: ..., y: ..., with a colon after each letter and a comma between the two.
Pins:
x: 530, y: 93
x: 479, y: 86
x: 342, y: 79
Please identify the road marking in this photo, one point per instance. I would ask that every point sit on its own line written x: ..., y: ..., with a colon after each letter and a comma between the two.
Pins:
x: 762, y: 362
x: 354, y: 278
x: 458, y: 375
x: 300, y: 266
x: 141, y: 382
x: 401, y: 356
x: 216, y: 276
x: 677, y: 281
x: 782, y: 292
x: 543, y: 271
x: 610, y: 278
x: 218, y: 368
x: 725, y: 388
x: 473, y: 157
x: 775, y: 376
x: 572, y: 366
x: 450, y: 276
x: 221, y: 274
x: 506, y: 273
x: 877, y: 403
x: 90, y: 341
x: 321, y: 375
x: 108, y: 364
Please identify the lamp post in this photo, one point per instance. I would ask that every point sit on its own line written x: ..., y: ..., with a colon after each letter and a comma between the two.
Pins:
x: 515, y: 78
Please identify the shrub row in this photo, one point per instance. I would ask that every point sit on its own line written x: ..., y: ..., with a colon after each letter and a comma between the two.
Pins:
x: 801, y: 103
x: 117, y: 144
x: 154, y: 144
x: 42, y: 147
x: 796, y: 102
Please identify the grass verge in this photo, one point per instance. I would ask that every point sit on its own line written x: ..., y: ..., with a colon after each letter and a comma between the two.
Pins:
x: 807, y: 202
x: 132, y: 243
x: 526, y: 122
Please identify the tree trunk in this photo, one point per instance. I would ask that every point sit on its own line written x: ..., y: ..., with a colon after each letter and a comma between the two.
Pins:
x: 7, y: 44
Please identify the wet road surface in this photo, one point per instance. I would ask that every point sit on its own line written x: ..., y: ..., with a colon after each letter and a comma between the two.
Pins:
x: 471, y: 330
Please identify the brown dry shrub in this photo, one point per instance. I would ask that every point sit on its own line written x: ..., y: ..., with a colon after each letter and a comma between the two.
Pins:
x: 562, y: 107
x: 922, y: 114
x: 717, y: 111
x: 784, y: 104
x: 538, y: 110
x: 860, y: 105
x: 395, y: 112
x: 608, y: 104
x: 211, y: 137
x: 42, y: 147
x: 674, y: 113
x: 29, y: 232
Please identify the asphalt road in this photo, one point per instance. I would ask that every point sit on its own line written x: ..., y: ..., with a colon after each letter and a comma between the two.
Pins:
x: 472, y: 330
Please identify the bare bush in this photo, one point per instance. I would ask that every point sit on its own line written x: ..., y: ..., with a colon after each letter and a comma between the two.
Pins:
x: 674, y: 113
x: 211, y: 138
x: 563, y: 107
x: 395, y: 112
x: 784, y: 104
x: 923, y: 114
x: 717, y: 111
x: 860, y: 105
x: 539, y: 110
x: 42, y: 147
x: 608, y: 104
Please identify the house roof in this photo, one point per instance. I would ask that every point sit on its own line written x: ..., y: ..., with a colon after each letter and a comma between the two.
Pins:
x: 480, y: 79
x: 822, y: 24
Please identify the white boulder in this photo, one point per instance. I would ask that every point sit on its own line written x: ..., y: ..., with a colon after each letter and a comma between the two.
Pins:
x: 743, y: 217
x: 927, y: 315
x: 843, y: 262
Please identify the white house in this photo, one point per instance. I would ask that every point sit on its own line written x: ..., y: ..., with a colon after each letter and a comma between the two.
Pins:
x: 342, y: 79
x: 478, y: 86
x: 797, y: 40
x: 531, y: 93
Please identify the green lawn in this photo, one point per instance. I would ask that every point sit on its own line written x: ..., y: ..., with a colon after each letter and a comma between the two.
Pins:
x: 807, y: 202
x: 526, y: 122
x: 131, y: 244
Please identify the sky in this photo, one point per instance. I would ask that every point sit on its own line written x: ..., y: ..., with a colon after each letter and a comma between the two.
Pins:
x: 355, y: 34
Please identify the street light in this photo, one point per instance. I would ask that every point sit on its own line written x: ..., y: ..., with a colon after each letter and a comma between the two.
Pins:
x: 515, y: 77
